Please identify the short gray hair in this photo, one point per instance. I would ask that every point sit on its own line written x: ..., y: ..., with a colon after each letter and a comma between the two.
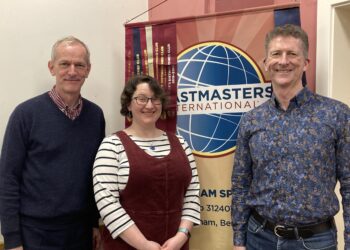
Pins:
x: 69, y: 40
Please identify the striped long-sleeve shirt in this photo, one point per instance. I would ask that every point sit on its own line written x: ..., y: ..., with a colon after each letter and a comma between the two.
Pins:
x: 111, y: 173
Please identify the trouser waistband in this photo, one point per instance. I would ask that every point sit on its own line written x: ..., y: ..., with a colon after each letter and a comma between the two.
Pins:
x: 291, y: 232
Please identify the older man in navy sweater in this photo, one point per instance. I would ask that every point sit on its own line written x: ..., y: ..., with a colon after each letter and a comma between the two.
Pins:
x: 46, y: 195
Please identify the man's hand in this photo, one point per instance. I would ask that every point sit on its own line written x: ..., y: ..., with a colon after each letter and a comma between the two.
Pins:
x: 96, y: 239
x: 238, y: 248
x: 16, y: 248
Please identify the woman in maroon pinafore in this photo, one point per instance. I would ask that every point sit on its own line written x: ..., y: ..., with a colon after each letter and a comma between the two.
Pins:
x: 145, y: 180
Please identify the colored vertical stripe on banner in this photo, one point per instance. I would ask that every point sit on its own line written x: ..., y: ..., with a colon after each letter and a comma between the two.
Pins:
x: 144, y: 55
x: 137, y: 51
x: 149, y: 42
x: 129, y: 54
x: 285, y: 16
x: 291, y: 16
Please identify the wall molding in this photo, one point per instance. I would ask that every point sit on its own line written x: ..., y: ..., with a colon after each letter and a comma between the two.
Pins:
x: 324, y: 52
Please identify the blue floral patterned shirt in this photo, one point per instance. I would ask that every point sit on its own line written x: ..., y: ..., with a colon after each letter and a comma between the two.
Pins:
x: 287, y: 163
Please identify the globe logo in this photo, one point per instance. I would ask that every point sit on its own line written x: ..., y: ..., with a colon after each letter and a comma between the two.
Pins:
x: 212, y: 96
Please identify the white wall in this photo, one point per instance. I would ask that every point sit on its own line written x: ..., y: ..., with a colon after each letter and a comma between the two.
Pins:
x: 331, y: 34
x: 333, y: 57
x: 29, y: 28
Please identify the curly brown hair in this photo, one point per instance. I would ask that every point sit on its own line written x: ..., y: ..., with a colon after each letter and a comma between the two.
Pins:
x: 130, y: 88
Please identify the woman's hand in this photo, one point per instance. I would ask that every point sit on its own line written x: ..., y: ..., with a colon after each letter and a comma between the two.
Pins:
x: 151, y: 245
x: 176, y: 242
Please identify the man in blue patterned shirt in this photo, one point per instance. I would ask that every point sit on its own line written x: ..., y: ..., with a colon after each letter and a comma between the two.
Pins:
x: 291, y: 151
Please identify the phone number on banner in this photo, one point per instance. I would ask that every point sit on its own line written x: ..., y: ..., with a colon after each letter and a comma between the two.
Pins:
x: 216, y: 208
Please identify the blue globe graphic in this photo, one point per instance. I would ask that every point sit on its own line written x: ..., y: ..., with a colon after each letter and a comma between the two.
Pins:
x: 206, y: 65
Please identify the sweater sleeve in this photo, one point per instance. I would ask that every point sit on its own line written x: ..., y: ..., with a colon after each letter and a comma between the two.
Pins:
x: 96, y: 215
x: 191, y: 206
x: 343, y: 167
x: 11, y: 163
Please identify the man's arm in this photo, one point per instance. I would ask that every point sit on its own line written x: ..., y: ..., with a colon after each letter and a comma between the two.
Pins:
x: 343, y: 169
x: 11, y: 162
x: 96, y: 235
x: 241, y: 179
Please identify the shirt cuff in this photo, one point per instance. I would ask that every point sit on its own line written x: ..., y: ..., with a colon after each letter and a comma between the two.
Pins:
x: 239, y: 238
x: 347, y: 241
x: 12, y: 240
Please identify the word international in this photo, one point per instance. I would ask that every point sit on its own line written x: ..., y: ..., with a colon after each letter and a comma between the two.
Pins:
x: 222, y: 99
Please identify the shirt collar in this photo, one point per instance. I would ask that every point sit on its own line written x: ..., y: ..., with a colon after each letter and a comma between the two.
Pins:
x: 297, y: 101
x: 60, y: 103
x: 71, y: 112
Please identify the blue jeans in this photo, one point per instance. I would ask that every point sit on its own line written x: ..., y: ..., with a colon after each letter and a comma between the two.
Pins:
x: 259, y: 238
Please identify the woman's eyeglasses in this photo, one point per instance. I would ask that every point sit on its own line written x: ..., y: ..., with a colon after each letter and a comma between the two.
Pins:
x: 143, y: 100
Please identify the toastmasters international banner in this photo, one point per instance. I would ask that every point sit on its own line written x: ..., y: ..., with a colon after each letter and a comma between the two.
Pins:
x: 219, y: 78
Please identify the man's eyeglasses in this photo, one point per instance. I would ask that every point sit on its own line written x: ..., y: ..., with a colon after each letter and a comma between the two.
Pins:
x: 143, y: 100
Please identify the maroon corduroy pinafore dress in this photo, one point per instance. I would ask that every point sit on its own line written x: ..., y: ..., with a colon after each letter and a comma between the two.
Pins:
x: 154, y: 194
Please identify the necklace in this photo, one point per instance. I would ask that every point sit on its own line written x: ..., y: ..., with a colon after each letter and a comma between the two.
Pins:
x: 152, y: 147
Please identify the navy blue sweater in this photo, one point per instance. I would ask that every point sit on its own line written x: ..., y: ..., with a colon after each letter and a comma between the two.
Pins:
x: 46, y: 165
